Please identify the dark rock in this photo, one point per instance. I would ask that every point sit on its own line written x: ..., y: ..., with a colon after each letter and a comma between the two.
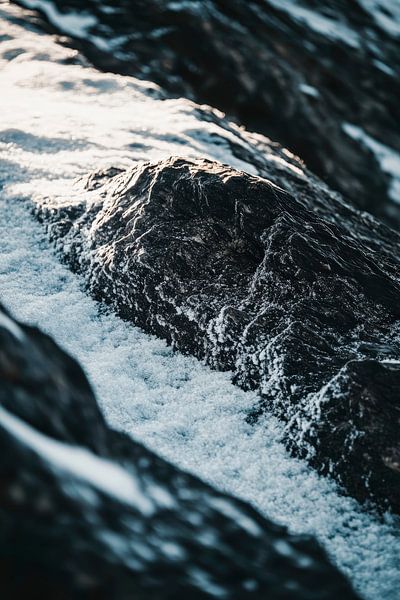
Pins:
x: 85, y: 512
x: 298, y: 296
x: 361, y: 408
x: 314, y: 76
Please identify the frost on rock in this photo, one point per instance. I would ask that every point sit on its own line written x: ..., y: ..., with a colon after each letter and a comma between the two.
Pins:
x: 231, y: 268
x: 86, y: 511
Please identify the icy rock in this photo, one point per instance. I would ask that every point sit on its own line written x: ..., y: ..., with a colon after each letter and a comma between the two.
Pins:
x: 363, y: 398
x: 297, y: 70
x: 231, y: 268
x: 86, y: 511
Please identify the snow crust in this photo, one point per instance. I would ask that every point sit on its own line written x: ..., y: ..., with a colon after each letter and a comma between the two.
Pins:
x: 386, y: 14
x: 60, y: 121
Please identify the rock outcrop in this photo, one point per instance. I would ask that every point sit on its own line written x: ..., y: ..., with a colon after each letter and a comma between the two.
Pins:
x: 297, y: 295
x: 87, y: 512
x: 320, y: 78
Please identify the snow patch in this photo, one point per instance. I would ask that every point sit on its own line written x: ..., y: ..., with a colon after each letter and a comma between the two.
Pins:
x: 73, y: 23
x: 317, y: 22
x: 309, y: 90
x: 104, y: 475
x: 11, y: 327
x: 386, y: 14
x: 388, y: 158
x: 384, y: 67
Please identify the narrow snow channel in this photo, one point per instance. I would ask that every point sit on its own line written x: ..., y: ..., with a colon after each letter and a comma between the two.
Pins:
x: 187, y: 413
x: 59, y: 121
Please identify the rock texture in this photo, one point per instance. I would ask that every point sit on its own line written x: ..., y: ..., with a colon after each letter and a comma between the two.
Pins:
x: 87, y: 512
x: 297, y: 295
x: 320, y: 78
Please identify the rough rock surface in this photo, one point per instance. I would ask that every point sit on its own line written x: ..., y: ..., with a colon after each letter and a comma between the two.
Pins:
x: 229, y: 267
x: 320, y: 78
x: 87, y: 512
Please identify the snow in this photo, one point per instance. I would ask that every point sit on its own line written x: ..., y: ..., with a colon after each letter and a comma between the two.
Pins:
x: 11, y: 327
x: 229, y: 510
x: 58, y: 122
x: 388, y: 157
x: 79, y: 24
x: 309, y: 90
x: 103, y: 474
x: 72, y: 23
x: 318, y: 22
x: 384, y: 68
x: 386, y: 14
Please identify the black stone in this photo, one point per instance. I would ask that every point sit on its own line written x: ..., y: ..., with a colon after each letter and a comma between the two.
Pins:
x: 297, y: 295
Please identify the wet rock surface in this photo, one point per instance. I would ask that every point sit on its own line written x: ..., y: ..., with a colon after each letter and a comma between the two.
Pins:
x: 297, y: 294
x: 87, y: 512
x: 322, y: 79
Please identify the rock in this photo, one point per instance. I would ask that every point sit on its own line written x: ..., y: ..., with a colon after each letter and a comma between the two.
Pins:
x: 322, y: 79
x: 360, y: 406
x: 296, y: 294
x: 87, y: 512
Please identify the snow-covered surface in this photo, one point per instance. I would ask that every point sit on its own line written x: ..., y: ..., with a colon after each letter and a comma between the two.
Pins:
x: 72, y: 23
x: 386, y: 14
x: 78, y: 24
x: 187, y: 413
x: 389, y: 158
x: 59, y: 121
x: 318, y: 22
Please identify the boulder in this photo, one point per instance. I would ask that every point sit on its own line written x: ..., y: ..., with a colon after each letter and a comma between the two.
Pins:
x: 296, y: 294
